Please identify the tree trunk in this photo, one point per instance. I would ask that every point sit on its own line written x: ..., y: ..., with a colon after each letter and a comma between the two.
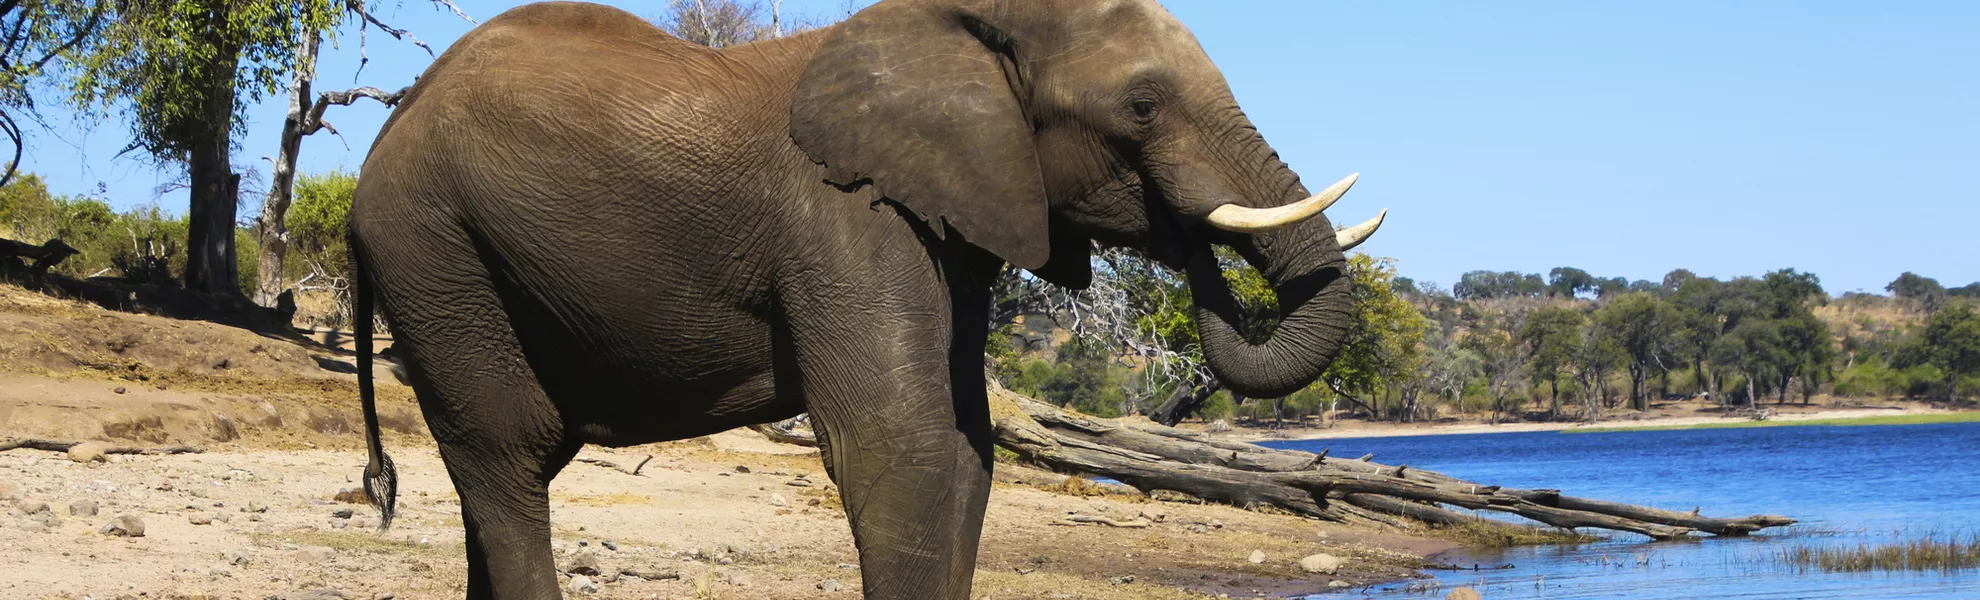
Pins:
x: 1554, y: 404
x: 271, y: 227
x: 1636, y: 399
x: 1185, y: 403
x: 210, y: 260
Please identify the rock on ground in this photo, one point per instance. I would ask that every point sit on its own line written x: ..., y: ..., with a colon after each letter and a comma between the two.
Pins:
x: 1257, y: 557
x: 88, y: 452
x: 124, y: 526
x: 1325, y: 564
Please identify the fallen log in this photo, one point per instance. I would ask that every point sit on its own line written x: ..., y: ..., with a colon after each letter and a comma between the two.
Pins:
x: 1152, y: 458
x: 65, y: 445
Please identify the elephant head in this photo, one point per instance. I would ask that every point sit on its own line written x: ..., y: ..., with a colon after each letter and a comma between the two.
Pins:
x: 1029, y: 128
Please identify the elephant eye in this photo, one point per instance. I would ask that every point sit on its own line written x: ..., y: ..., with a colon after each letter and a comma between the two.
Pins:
x: 1144, y: 110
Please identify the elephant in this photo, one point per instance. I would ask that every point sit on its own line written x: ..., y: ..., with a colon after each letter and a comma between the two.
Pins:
x: 582, y: 230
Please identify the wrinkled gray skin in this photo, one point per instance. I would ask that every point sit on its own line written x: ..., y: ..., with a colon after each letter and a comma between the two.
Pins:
x: 584, y: 231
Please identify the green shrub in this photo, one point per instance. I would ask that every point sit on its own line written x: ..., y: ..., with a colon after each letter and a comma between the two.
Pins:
x: 319, y: 223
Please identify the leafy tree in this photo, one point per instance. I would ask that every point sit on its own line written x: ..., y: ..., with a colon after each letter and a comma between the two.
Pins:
x: 1566, y: 282
x: 1478, y: 285
x: 34, y: 37
x: 1676, y: 279
x: 1950, y: 342
x: 1595, y: 358
x: 1553, y: 335
x: 1971, y: 290
x: 1643, y: 327
x: 1381, y: 349
x: 319, y: 222
x: 1752, y: 349
x: 1924, y: 290
x: 1611, y: 286
x: 179, y: 70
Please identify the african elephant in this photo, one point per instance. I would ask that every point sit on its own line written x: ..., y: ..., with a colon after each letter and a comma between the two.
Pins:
x: 584, y: 231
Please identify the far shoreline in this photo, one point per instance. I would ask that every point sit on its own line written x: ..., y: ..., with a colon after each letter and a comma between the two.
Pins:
x: 1824, y: 416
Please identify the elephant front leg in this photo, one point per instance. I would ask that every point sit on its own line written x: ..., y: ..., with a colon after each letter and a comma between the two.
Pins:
x: 914, y: 478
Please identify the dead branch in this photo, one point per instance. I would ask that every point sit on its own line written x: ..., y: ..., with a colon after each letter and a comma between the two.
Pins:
x: 634, y: 471
x: 1077, y: 520
x: 1152, y: 459
x: 65, y: 445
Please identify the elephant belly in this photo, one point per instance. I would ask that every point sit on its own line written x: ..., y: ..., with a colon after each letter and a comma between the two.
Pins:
x: 644, y: 377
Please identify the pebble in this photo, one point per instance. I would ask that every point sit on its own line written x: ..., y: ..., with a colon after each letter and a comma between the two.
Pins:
x: 829, y: 585
x: 742, y: 469
x: 88, y: 452
x: 343, y: 513
x: 255, y: 507
x: 1463, y: 593
x: 1257, y: 557
x: 200, y: 519
x: 384, y: 596
x: 580, y: 584
x: 1339, y: 584
x: 610, y: 545
x: 220, y: 571
x: 239, y: 557
x: 83, y: 508
x: 778, y: 500
x: 1325, y: 564
x: 124, y: 526
x: 799, y: 483
x: 339, y: 524
x: 32, y: 507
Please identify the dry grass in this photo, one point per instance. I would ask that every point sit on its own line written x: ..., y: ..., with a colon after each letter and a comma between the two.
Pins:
x: 603, y: 500
x: 1928, y: 552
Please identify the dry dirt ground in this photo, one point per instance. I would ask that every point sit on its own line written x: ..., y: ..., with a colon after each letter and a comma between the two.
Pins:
x: 264, y: 511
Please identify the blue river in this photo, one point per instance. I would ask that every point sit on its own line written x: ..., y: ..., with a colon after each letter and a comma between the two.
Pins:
x: 1847, y: 485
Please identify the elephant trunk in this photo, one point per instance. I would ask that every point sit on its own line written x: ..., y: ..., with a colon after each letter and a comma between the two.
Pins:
x: 1304, y: 262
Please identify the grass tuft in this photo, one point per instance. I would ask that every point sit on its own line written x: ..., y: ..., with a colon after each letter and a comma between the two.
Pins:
x: 1928, y: 552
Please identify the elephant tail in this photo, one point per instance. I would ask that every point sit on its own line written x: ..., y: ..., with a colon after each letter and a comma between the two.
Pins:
x: 381, y: 479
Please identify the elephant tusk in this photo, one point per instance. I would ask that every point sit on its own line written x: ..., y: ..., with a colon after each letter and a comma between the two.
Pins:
x: 1354, y: 236
x: 1231, y: 217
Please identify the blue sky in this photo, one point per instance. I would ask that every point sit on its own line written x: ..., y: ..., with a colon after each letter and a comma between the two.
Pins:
x: 1623, y: 138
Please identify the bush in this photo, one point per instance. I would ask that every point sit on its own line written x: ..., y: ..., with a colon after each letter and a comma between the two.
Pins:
x: 319, y: 223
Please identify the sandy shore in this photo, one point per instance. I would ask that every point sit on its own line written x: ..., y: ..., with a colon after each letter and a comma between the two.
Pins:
x: 1668, y: 416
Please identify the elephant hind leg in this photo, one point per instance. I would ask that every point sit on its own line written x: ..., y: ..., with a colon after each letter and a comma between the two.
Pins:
x: 501, y: 437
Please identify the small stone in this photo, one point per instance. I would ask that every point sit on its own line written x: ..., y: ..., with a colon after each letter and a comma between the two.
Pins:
x: 1325, y: 564
x: 220, y: 571
x: 200, y: 519
x: 580, y: 584
x: 83, y: 508
x: 384, y: 596
x: 339, y: 524
x: 124, y: 526
x: 609, y: 545
x: 742, y: 469
x: 778, y: 500
x: 1257, y: 557
x: 88, y: 452
x: 1463, y: 593
x: 829, y: 585
x: 1124, y: 579
x: 255, y: 507
x: 32, y: 507
x: 725, y: 560
x: 585, y: 563
x: 803, y: 483
x: 239, y: 557
x: 120, y: 389
x: 1339, y: 585
x: 343, y: 513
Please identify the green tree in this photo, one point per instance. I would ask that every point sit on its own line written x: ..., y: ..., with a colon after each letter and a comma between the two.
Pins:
x: 35, y: 36
x: 1924, y: 290
x: 319, y: 222
x: 1381, y: 350
x: 1950, y: 342
x: 1554, y: 336
x: 1566, y: 282
x: 178, y: 70
x: 1644, y: 328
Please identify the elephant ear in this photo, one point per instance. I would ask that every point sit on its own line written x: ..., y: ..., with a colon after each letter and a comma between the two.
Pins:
x: 919, y: 100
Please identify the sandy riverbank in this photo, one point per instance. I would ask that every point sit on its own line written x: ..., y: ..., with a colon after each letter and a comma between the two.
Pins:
x: 1663, y: 415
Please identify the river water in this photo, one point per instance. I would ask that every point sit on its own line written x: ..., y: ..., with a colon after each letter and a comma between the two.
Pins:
x: 1847, y: 485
